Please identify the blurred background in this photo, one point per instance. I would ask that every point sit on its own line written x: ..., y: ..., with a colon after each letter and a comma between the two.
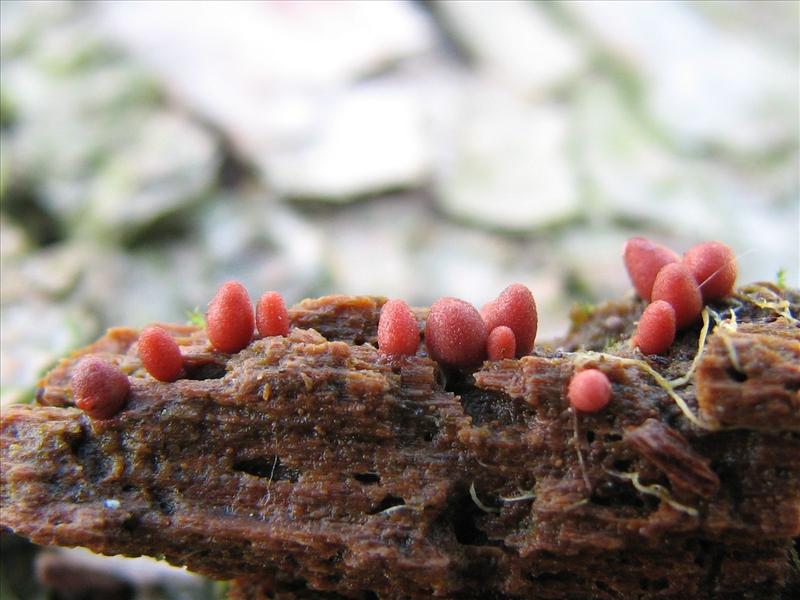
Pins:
x: 152, y: 150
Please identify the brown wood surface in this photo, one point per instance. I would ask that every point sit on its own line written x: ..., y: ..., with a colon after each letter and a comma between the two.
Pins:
x: 312, y: 465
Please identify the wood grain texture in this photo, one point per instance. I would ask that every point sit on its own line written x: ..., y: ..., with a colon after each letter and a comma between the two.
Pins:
x: 313, y: 466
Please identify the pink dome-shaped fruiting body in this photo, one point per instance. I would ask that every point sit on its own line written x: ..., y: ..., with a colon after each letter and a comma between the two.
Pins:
x: 229, y: 319
x: 160, y: 354
x: 99, y: 387
x: 398, y: 333
x: 713, y: 266
x: 272, y: 318
x: 515, y: 308
x: 644, y: 259
x: 455, y: 333
x: 656, y: 330
x: 589, y: 390
x: 675, y: 285
x: 501, y: 343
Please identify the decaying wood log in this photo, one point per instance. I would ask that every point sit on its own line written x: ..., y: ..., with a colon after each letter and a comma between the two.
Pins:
x: 750, y: 377
x: 311, y: 466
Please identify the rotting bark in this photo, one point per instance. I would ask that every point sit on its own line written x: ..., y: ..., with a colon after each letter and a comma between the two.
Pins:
x: 668, y: 450
x: 750, y: 377
x: 311, y: 466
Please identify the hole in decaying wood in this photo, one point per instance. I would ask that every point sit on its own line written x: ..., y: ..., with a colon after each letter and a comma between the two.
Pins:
x: 388, y: 502
x: 131, y: 523
x: 489, y: 407
x: 269, y: 467
x: 553, y: 577
x: 367, y: 478
x: 440, y: 379
x: 77, y: 445
x: 736, y: 375
x: 464, y: 517
x: 623, y: 466
x: 94, y: 461
x: 616, y: 494
x: 163, y: 501
x: 590, y: 436
x: 700, y: 560
x: 730, y: 480
x: 209, y: 370
x: 617, y: 500
x: 455, y: 382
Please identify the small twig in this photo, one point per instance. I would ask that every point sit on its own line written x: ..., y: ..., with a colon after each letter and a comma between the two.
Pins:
x: 575, y: 505
x: 521, y: 498
x: 399, y: 507
x: 659, y: 491
x: 478, y: 503
x: 701, y: 342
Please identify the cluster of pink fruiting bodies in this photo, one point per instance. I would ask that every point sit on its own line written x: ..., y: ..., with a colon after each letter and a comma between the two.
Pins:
x: 100, y: 387
x: 676, y: 287
x: 456, y: 334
